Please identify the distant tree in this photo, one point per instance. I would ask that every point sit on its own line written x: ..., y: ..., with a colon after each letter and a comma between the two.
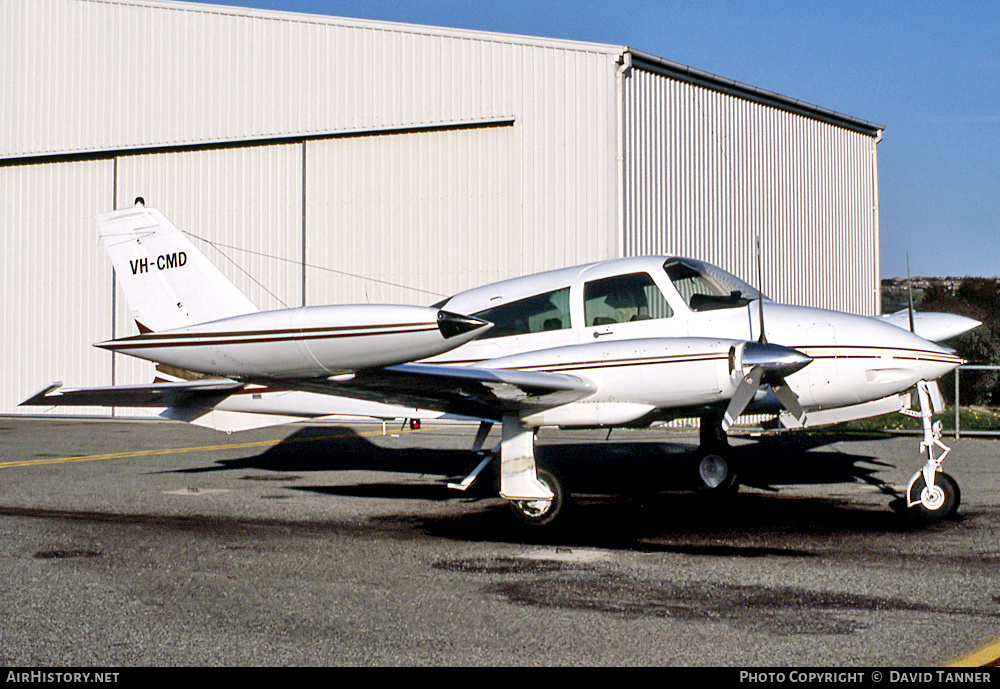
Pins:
x: 982, y: 293
x: 977, y: 298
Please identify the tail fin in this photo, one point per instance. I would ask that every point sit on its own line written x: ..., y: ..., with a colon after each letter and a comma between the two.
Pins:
x: 167, y: 282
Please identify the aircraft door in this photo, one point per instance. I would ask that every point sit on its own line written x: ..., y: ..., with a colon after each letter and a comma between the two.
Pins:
x: 620, y: 306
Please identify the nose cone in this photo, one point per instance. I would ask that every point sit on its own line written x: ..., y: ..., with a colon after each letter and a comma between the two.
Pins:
x: 454, y: 325
x: 935, y: 359
x: 774, y: 359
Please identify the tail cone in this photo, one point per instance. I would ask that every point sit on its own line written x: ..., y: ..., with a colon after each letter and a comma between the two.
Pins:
x: 453, y: 324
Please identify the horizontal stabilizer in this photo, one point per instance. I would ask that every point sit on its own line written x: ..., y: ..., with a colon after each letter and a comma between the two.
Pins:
x: 204, y: 391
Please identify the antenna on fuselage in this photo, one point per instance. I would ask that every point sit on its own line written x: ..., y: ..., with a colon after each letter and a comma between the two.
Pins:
x: 760, y: 290
x: 909, y: 292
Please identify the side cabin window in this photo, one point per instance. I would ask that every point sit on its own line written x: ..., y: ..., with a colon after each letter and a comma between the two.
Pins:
x: 623, y: 298
x: 539, y: 313
x: 706, y: 288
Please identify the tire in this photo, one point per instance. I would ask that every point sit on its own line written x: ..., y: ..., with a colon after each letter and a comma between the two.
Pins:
x: 938, y: 504
x: 542, y: 513
x: 716, y: 473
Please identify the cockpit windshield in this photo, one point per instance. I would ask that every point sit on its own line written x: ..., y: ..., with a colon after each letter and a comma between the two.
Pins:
x: 705, y: 287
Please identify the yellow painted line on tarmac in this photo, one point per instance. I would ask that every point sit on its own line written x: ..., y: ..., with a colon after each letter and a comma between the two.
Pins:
x: 987, y: 656
x: 179, y: 450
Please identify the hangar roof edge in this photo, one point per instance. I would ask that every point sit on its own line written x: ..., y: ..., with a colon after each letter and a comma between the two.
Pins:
x: 640, y: 58
x: 307, y: 18
x: 681, y: 72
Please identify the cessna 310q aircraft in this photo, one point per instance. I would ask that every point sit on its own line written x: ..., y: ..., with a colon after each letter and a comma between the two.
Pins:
x: 624, y: 342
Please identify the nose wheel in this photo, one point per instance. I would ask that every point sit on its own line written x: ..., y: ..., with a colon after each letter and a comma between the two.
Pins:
x: 931, y: 495
x: 935, y: 502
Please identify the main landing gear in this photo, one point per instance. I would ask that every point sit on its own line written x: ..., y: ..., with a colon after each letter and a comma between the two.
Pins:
x: 931, y: 495
x: 536, y: 495
x: 716, y: 471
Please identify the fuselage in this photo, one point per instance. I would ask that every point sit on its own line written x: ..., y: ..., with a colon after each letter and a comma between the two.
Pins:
x: 661, y: 332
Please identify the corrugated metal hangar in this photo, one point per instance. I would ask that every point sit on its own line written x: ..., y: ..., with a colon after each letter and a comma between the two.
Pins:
x: 327, y: 160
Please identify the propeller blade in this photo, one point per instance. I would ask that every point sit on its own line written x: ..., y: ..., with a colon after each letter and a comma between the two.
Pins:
x: 745, y: 391
x: 790, y: 401
x: 769, y: 363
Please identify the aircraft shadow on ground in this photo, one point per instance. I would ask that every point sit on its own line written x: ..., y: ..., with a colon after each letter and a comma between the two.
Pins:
x: 335, y: 448
x: 624, y: 492
x: 608, y: 467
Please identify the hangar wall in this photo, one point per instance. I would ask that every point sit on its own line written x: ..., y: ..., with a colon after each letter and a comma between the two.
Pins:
x: 318, y: 159
x: 707, y: 172
x: 55, y: 282
x: 440, y: 229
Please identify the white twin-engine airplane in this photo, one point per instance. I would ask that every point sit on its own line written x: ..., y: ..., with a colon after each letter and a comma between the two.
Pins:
x: 624, y: 342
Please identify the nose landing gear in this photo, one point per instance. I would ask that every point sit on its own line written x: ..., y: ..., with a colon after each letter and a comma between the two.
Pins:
x: 931, y: 494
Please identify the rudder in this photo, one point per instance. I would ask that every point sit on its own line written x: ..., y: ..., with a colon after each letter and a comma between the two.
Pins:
x: 168, y: 283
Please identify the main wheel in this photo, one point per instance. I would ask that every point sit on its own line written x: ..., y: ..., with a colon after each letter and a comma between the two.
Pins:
x: 716, y: 473
x: 937, y: 502
x: 539, y: 513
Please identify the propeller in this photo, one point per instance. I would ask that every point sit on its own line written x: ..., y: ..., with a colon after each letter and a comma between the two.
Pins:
x: 769, y: 364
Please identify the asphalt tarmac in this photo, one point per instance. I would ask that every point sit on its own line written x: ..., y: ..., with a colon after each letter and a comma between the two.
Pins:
x: 127, y: 543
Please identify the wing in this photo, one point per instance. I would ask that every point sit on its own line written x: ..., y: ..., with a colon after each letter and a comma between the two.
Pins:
x: 194, y: 393
x: 464, y: 391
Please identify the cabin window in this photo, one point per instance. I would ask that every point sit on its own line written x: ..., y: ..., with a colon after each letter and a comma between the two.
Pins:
x: 622, y: 299
x: 706, y: 288
x: 536, y: 314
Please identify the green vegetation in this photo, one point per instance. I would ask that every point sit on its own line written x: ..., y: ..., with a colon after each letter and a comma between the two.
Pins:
x: 977, y: 298
x: 970, y: 419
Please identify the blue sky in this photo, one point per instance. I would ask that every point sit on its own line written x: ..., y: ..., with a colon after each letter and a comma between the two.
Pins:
x: 929, y: 72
